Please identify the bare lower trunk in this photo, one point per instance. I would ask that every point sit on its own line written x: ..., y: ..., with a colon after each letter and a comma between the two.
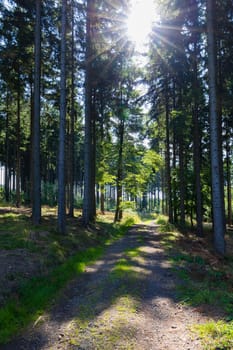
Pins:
x: 18, y: 153
x: 229, y: 186
x: 102, y: 190
x: 118, y: 212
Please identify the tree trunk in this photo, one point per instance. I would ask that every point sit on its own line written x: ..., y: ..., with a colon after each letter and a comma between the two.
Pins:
x: 36, y: 182
x: 197, y: 147
x: 168, y: 167
x: 218, y: 209
x: 7, y: 167
x: 102, y: 191
x: 89, y: 158
x: 18, y: 153
x: 62, y: 128
x: 197, y: 172
x: 118, y: 212
x: 182, y: 183
x: 72, y: 122
x: 229, y: 191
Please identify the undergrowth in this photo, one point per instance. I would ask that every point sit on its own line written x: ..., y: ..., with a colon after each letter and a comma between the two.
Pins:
x: 206, y: 280
x: 36, y: 295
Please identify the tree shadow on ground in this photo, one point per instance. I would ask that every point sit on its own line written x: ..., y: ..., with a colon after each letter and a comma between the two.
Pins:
x: 99, y: 307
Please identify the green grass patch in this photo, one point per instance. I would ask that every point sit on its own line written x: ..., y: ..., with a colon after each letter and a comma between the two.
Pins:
x: 216, y: 335
x: 133, y: 253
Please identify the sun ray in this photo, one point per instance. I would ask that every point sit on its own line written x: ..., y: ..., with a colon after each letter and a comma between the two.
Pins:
x: 140, y: 21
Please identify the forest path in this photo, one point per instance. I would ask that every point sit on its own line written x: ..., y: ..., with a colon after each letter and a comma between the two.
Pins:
x: 126, y: 300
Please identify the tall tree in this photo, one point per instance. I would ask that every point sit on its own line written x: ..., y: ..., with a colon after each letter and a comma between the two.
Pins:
x: 36, y: 183
x: 89, y: 149
x: 218, y: 209
x: 62, y: 127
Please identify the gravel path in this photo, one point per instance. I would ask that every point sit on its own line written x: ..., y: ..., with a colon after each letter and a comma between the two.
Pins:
x: 124, y: 301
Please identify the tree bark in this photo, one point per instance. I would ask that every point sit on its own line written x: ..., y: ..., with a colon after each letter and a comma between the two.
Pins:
x: 168, y: 166
x: 36, y: 182
x: 62, y: 128
x: 229, y: 185
x: 89, y: 157
x: 18, y: 153
x: 118, y: 212
x: 7, y: 167
x: 182, y: 182
x: 72, y: 122
x: 197, y: 147
x: 218, y: 210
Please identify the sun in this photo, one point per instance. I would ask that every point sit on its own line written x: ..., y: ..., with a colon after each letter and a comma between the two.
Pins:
x: 140, y: 20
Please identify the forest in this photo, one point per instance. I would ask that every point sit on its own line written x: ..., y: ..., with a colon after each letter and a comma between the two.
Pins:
x: 94, y: 122
x: 85, y: 124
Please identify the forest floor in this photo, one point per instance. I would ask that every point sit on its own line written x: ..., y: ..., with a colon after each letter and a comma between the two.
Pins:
x: 127, y: 300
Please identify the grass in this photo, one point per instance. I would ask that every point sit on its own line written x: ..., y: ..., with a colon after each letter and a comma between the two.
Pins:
x: 205, y: 280
x: 36, y: 295
x: 216, y: 335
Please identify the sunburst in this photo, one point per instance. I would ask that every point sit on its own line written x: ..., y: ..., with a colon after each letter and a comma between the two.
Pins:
x: 140, y: 21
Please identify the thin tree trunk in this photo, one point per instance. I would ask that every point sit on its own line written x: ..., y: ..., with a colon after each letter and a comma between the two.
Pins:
x: 62, y: 128
x: 197, y: 172
x: 197, y: 149
x: 7, y: 167
x: 229, y: 185
x: 218, y: 209
x: 18, y: 153
x: 72, y: 122
x: 102, y: 191
x: 182, y: 183
x: 118, y: 212
x: 93, y: 161
x: 36, y: 190
x: 168, y: 167
x: 163, y: 190
x: 89, y: 191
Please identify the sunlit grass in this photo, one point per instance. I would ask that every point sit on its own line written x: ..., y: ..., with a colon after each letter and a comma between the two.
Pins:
x: 216, y: 335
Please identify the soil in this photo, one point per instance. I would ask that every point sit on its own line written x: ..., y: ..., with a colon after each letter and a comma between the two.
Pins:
x: 123, y: 301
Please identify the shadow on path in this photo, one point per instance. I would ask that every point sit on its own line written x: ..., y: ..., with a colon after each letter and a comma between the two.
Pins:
x: 111, y: 305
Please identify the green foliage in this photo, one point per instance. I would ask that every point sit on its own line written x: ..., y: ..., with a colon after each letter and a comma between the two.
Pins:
x: 128, y: 205
x: 49, y: 193
x: 152, y: 160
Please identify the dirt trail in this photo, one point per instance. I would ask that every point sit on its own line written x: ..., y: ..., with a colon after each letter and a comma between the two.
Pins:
x: 125, y: 301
